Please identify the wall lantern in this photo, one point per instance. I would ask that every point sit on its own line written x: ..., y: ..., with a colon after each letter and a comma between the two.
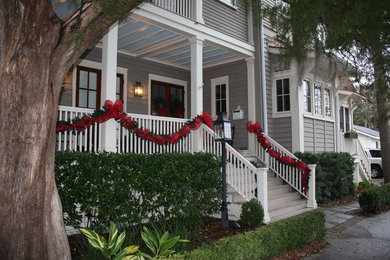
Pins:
x: 138, y: 89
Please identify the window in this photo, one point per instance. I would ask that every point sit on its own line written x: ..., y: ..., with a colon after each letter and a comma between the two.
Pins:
x: 88, y: 87
x: 167, y: 99
x: 283, y: 95
x: 345, y: 124
x: 229, y: 2
x: 327, y: 102
x: 307, y: 95
x: 317, y: 99
x: 219, y: 95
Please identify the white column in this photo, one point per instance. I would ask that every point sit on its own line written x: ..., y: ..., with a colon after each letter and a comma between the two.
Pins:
x: 262, y: 191
x: 198, y: 5
x: 250, y: 67
x: 296, y: 107
x: 337, y: 115
x: 312, y: 202
x: 196, y: 86
x: 110, y: 49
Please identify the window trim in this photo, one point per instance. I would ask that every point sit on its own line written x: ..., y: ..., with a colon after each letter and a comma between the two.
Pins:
x: 154, y: 77
x: 214, y: 82
x: 344, y: 128
x: 275, y: 112
x: 230, y: 3
x: 323, y: 87
x: 98, y: 66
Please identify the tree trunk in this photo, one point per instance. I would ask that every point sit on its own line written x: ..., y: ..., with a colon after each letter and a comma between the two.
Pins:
x: 382, y: 103
x: 31, y: 214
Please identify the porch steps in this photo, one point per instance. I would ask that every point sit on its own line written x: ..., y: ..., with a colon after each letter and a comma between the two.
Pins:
x: 283, y: 201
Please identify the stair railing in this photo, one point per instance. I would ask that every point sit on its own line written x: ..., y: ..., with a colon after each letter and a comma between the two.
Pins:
x: 365, y: 163
x: 289, y: 174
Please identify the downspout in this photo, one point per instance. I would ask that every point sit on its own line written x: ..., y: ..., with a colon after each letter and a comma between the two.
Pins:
x: 262, y: 73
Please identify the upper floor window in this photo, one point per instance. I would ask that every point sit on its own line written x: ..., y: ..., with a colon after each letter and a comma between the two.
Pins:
x: 317, y: 99
x: 229, y: 2
x: 345, y: 124
x: 307, y: 95
x: 283, y: 95
x: 327, y: 102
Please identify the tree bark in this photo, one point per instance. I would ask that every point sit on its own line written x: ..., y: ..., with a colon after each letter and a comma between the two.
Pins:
x: 36, y: 50
x: 382, y: 103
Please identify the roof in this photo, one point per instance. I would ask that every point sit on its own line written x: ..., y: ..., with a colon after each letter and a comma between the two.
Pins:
x: 367, y: 131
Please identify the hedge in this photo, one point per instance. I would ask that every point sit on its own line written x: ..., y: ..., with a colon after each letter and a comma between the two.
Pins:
x: 375, y: 199
x: 130, y: 188
x: 334, y: 174
x: 265, y: 242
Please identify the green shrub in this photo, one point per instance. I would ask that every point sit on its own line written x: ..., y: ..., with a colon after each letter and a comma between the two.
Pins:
x: 265, y: 242
x: 334, y: 174
x: 375, y: 199
x: 130, y: 188
x: 252, y: 213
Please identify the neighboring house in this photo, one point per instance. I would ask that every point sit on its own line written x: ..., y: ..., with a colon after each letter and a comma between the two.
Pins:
x: 369, y: 138
x: 193, y: 56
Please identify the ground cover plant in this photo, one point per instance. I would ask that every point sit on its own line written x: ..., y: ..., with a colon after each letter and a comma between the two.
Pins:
x: 375, y: 199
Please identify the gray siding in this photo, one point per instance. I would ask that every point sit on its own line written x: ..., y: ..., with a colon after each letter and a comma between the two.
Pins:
x: 281, y: 132
x: 318, y: 135
x: 138, y: 70
x: 226, y: 19
x: 238, y: 95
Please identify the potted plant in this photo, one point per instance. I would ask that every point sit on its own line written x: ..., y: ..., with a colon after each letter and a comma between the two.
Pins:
x: 351, y: 134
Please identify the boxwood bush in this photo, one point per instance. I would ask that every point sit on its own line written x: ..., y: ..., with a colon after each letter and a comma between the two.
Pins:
x: 265, y: 242
x: 375, y: 199
x: 334, y: 174
x: 130, y: 188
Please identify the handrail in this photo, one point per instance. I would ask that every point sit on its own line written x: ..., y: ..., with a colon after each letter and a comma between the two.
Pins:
x: 289, y: 174
x: 240, y: 173
x: 364, y: 160
x: 184, y: 8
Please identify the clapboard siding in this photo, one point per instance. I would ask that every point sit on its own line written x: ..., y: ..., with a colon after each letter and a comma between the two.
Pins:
x: 266, y: 20
x: 138, y: 70
x: 226, y: 19
x: 238, y: 95
x: 318, y: 135
x: 282, y: 133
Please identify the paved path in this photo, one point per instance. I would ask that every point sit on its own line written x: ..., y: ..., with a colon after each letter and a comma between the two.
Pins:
x: 351, y: 236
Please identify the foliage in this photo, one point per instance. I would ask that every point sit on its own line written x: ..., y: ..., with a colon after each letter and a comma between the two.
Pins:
x: 334, y: 174
x: 364, y: 184
x: 375, y: 199
x: 252, y: 213
x: 111, y: 248
x: 160, y: 246
x: 130, y: 188
x: 266, y: 242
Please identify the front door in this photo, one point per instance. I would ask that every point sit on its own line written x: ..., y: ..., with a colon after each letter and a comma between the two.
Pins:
x: 167, y: 99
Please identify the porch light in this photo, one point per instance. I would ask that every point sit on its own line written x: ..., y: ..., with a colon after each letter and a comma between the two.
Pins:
x: 223, y: 133
x: 138, y: 89
x: 222, y: 128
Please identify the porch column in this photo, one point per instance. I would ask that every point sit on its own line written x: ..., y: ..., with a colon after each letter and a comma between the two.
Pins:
x: 110, y: 49
x: 296, y: 107
x: 198, y: 6
x: 196, y: 86
x: 250, y: 65
x: 337, y: 116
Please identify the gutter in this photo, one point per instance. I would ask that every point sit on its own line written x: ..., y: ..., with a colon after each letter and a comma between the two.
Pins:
x: 262, y: 73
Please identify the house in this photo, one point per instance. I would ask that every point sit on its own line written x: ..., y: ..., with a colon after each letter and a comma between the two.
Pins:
x: 171, y: 60
x: 369, y: 138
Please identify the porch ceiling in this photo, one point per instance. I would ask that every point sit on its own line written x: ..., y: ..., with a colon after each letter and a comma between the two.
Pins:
x: 145, y: 39
x: 142, y: 39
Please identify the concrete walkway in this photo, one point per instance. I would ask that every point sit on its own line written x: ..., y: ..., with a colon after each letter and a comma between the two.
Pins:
x: 353, y: 236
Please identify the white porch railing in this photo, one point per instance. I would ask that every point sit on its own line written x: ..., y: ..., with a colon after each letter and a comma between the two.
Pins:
x: 129, y: 142
x: 184, y: 8
x: 84, y: 141
x: 289, y: 174
x: 240, y: 173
